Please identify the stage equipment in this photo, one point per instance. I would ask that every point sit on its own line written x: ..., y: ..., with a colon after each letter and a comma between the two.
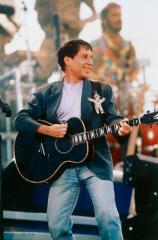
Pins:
x: 140, y: 167
x: 7, y: 111
x: 1, y: 211
x: 141, y: 173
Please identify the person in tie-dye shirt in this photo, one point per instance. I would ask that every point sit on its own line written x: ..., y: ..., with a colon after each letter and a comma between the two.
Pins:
x: 114, y: 57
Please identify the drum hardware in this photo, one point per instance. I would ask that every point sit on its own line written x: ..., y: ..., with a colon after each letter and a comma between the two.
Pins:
x: 150, y: 148
x: 139, y: 144
x: 149, y: 140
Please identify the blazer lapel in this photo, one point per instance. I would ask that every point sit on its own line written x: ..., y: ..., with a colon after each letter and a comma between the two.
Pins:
x: 53, y: 100
x: 86, y: 106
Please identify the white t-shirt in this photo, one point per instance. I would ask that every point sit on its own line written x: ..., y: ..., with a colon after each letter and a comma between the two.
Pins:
x: 70, y: 105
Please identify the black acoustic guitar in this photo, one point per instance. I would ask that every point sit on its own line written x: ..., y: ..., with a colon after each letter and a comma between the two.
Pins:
x: 40, y: 158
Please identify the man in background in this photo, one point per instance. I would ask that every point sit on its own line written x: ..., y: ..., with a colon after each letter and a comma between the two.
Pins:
x: 114, y: 58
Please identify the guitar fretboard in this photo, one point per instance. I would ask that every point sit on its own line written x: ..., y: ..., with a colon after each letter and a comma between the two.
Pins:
x: 83, y: 137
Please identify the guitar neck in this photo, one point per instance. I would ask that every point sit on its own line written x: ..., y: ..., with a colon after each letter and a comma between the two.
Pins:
x: 100, y: 132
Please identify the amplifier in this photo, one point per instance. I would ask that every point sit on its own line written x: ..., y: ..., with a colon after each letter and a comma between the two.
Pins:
x: 140, y: 167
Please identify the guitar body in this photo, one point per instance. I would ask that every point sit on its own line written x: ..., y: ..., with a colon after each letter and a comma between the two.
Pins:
x: 40, y: 158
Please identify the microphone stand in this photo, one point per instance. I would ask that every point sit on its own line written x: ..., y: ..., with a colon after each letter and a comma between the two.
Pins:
x: 7, y: 111
x: 1, y: 208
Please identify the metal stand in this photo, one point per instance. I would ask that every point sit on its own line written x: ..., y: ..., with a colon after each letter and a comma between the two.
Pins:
x: 7, y: 111
x: 1, y: 208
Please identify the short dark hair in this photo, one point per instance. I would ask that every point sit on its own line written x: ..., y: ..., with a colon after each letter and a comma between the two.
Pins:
x: 70, y: 49
x: 108, y: 7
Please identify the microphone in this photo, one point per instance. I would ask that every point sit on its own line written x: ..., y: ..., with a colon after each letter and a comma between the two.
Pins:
x: 5, y: 107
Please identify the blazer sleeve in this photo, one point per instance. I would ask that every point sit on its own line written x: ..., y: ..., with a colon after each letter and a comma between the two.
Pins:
x: 27, y: 118
x: 111, y: 115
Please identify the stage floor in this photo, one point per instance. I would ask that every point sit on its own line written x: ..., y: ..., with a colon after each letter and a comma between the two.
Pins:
x: 15, y: 235
x: 33, y: 226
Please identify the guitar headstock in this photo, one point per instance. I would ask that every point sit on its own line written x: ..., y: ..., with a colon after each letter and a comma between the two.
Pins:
x: 149, y: 118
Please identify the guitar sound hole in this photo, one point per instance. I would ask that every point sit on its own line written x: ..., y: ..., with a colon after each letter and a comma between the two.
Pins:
x: 63, y: 145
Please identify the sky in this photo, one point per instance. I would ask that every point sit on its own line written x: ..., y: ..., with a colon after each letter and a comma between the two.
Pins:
x: 140, y: 26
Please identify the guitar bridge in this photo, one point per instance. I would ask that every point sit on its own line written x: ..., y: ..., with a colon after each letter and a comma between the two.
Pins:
x: 41, y: 150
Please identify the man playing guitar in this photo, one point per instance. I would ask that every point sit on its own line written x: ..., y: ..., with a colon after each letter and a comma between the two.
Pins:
x: 67, y: 109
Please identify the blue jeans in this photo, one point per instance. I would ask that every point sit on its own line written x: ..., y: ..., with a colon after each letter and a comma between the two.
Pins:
x: 63, y: 197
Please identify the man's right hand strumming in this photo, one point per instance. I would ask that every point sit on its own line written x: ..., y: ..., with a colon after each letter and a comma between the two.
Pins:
x: 55, y: 130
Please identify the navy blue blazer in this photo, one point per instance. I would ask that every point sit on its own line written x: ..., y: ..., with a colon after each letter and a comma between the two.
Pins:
x: 44, y: 106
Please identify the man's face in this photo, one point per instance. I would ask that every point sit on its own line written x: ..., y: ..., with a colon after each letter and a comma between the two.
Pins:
x: 113, y: 21
x: 81, y: 64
